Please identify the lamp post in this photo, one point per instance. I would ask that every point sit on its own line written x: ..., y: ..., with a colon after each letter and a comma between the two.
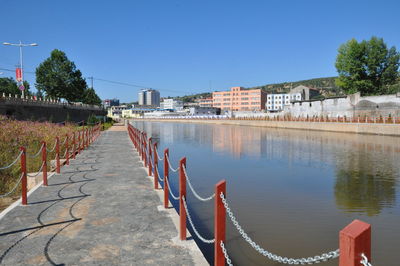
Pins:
x: 20, y: 44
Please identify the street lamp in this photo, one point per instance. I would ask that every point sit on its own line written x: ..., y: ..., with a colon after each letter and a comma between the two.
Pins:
x: 20, y: 44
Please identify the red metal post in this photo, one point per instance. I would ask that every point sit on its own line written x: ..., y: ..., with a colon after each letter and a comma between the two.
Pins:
x: 44, y: 162
x: 67, y: 150
x: 155, y: 160
x: 219, y: 223
x: 57, y: 155
x: 74, y: 145
x: 354, y: 240
x: 79, y: 142
x: 182, y: 193
x: 87, y: 137
x: 24, y: 181
x: 166, y: 169
x: 150, y: 164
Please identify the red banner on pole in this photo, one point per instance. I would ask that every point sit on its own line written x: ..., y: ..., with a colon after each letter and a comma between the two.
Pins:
x: 18, y: 74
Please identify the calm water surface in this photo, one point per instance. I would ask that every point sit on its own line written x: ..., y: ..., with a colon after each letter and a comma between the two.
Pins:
x: 292, y: 191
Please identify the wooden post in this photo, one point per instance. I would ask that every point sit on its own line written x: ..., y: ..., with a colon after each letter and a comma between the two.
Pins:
x: 57, y: 155
x: 155, y: 160
x: 44, y: 162
x: 182, y: 193
x: 166, y: 172
x: 219, y: 223
x: 354, y: 240
x: 67, y: 150
x: 24, y: 181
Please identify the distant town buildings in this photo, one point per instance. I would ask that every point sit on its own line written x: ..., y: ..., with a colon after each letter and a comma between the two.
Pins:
x: 239, y: 99
x: 149, y: 97
x: 205, y: 102
x: 110, y: 102
x: 171, y: 104
x: 276, y: 102
x: 197, y: 110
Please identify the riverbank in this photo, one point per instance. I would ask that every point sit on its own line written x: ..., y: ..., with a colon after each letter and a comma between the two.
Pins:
x: 358, y: 128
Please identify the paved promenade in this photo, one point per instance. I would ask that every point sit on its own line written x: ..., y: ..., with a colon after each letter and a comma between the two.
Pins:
x: 101, y: 210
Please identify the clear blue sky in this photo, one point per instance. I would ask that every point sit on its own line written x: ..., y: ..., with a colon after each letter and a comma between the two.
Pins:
x: 178, y: 47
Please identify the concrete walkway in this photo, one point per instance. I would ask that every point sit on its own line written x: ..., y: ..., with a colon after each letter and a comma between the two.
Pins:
x: 101, y: 210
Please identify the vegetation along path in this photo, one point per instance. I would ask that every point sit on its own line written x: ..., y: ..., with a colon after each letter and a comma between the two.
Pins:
x: 99, y: 211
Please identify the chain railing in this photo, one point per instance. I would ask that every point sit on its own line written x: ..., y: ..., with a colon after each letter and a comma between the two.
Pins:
x: 225, y: 252
x: 170, y: 166
x: 357, y: 229
x: 54, y: 147
x: 193, y: 190
x: 364, y: 260
x: 270, y: 255
x: 36, y: 154
x: 38, y: 172
x: 14, y: 162
x: 14, y: 188
x: 170, y: 190
x: 199, y: 236
x: 159, y: 158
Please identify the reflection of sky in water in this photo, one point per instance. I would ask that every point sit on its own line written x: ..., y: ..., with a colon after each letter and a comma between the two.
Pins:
x: 305, y: 184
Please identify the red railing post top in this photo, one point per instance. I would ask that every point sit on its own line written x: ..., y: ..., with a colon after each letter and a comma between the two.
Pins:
x: 355, y: 228
x: 22, y: 149
x: 43, y: 142
x: 183, y: 161
x: 57, y: 138
x: 166, y: 150
x: 221, y: 184
x: 155, y: 144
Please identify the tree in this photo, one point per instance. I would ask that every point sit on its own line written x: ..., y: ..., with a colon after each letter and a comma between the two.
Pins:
x: 368, y: 67
x: 58, y: 77
x: 10, y: 86
x: 90, y: 97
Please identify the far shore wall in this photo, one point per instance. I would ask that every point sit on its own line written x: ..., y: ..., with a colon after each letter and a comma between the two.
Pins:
x: 46, y: 112
x: 376, y: 129
x: 351, y: 106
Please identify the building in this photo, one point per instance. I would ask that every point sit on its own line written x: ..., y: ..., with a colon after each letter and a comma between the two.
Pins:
x: 306, y: 92
x: 197, y: 110
x: 277, y: 102
x: 239, y: 99
x: 115, y: 112
x: 205, y: 102
x: 171, y: 104
x: 149, y: 97
x: 110, y: 102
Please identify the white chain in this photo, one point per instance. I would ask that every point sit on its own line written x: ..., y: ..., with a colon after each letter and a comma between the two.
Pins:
x: 170, y: 191
x: 38, y: 172
x: 11, y: 164
x: 228, y: 260
x: 65, y: 140
x: 271, y: 256
x: 158, y: 174
x: 194, y: 191
x: 54, y: 147
x: 33, y: 156
x: 14, y: 188
x: 364, y: 260
x: 159, y: 158
x: 207, y: 241
x: 170, y: 167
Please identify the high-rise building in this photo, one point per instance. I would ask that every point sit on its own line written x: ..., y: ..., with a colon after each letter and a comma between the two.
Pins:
x: 149, y: 97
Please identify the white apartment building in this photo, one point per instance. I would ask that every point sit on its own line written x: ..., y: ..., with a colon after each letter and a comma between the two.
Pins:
x: 149, y: 97
x: 276, y: 102
x: 171, y: 104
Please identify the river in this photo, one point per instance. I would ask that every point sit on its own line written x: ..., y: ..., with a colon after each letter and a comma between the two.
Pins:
x: 291, y: 190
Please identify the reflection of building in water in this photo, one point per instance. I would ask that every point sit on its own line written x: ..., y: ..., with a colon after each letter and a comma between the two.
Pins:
x: 238, y: 141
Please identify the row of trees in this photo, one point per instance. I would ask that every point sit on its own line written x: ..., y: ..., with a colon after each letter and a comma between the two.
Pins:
x: 368, y: 67
x: 56, y: 77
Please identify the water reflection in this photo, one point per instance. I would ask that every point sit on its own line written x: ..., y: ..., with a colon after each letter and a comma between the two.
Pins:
x: 286, y: 186
x: 366, y: 167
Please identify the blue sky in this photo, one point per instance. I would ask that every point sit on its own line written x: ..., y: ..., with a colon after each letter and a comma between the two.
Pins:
x: 181, y: 47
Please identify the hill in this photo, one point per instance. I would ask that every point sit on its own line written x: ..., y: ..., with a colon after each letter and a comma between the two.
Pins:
x: 326, y: 86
